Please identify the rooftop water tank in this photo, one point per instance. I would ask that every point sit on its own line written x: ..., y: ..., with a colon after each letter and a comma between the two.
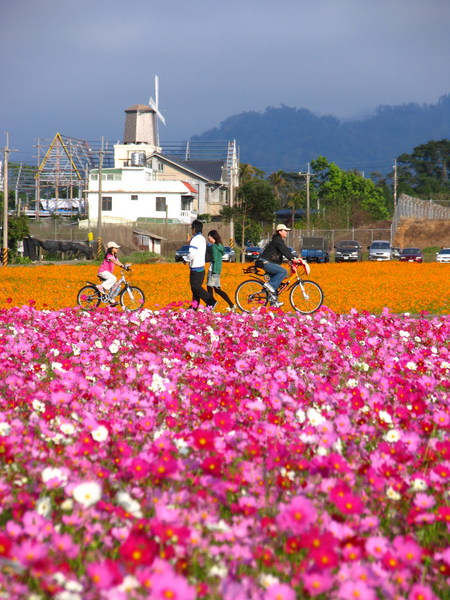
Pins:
x: 137, y: 159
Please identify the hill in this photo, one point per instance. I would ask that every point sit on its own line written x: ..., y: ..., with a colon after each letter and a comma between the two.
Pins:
x: 288, y: 138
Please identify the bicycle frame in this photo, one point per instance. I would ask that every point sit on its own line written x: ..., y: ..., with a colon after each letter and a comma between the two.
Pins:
x: 287, y: 283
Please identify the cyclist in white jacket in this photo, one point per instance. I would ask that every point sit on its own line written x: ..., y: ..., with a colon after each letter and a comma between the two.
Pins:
x: 196, y: 260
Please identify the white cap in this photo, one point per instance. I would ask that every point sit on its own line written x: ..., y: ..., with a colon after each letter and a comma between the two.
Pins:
x: 112, y: 245
x: 282, y: 228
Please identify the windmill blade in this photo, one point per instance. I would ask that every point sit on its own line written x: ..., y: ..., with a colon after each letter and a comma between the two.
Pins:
x: 154, y: 103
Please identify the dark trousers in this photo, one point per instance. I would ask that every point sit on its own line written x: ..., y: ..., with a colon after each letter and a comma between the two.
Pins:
x: 198, y: 293
x: 221, y: 293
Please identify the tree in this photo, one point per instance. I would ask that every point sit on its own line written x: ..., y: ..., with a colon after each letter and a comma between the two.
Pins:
x: 278, y: 182
x: 426, y: 170
x: 255, y: 202
x: 248, y: 172
x: 346, y: 193
x: 18, y: 229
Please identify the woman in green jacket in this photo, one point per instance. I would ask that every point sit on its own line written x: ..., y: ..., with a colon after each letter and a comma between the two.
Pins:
x: 215, y: 267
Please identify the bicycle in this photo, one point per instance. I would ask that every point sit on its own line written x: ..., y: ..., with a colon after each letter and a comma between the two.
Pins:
x: 305, y: 296
x: 131, y: 297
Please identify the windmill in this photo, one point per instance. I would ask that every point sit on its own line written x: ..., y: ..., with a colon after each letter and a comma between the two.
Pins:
x: 156, y: 114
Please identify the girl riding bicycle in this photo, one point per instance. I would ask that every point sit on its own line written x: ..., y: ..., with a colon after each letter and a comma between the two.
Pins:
x: 106, y: 269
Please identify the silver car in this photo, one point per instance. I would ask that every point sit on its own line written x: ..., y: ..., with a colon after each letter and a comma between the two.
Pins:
x: 229, y: 254
x: 380, y: 250
x: 443, y: 256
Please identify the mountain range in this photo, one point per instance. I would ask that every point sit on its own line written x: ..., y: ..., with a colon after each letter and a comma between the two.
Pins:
x: 289, y: 138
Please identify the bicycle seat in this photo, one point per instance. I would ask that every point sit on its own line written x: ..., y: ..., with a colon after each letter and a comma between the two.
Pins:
x: 254, y: 269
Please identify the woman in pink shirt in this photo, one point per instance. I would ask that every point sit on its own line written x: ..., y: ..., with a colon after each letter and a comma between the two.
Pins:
x: 106, y: 269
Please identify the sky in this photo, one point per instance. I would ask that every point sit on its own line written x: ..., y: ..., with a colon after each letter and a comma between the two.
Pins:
x: 73, y: 67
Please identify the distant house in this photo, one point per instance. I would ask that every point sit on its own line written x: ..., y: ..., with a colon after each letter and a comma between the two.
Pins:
x: 131, y: 193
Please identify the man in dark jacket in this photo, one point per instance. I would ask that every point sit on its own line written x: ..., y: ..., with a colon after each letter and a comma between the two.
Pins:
x: 270, y: 260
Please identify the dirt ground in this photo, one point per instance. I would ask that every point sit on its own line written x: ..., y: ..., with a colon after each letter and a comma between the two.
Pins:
x: 422, y: 234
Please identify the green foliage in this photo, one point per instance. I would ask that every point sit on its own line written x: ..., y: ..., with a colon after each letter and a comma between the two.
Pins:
x: 346, y: 193
x: 18, y: 229
x: 255, y: 203
x: 425, y: 171
x: 253, y: 232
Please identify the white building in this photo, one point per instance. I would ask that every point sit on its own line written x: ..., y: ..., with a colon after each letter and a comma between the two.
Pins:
x: 133, y: 193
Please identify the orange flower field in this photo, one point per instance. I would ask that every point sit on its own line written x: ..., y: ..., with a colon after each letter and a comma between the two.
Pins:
x: 401, y: 287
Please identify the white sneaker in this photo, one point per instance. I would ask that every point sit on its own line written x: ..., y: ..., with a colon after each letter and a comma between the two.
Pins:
x: 276, y: 304
x: 269, y: 287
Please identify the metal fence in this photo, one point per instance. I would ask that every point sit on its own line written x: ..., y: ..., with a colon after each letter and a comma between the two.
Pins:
x: 413, y: 208
x: 364, y: 236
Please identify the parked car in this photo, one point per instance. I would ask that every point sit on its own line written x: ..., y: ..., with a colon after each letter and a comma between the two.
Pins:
x: 229, y: 254
x: 443, y: 256
x: 396, y: 253
x: 411, y: 255
x: 183, y: 251
x: 380, y: 250
x: 348, y: 251
x: 252, y: 253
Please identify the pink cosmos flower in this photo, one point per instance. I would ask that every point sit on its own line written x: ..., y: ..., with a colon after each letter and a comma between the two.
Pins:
x: 376, y: 546
x: 317, y: 582
x: 424, y: 501
x: 168, y: 585
x: 408, y: 551
x: 298, y: 515
x: 421, y: 592
x: 355, y: 590
x: 105, y: 574
x: 279, y: 591
x: 29, y: 552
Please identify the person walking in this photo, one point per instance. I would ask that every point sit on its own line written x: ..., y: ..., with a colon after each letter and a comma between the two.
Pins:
x: 196, y: 260
x: 270, y: 260
x: 215, y: 268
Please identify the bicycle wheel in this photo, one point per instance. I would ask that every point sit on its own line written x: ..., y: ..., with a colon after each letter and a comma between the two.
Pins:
x: 306, y: 297
x: 132, y: 298
x: 88, y: 297
x: 251, y: 295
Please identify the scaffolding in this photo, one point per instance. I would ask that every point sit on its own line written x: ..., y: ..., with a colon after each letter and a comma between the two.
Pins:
x: 61, y: 175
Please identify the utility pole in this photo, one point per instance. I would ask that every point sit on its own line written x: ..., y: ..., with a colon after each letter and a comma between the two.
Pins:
x: 100, y: 203
x: 307, y: 175
x: 6, y: 151
x: 395, y: 183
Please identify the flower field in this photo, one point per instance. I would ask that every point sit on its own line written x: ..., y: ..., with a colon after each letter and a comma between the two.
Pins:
x: 173, y: 454
x: 401, y: 287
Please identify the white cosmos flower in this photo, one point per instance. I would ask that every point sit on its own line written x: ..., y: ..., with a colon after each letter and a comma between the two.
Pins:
x: 67, y: 428
x: 404, y: 334
x: 392, y: 494
x: 98, y: 344
x: 392, y: 435
x: 54, y: 473
x: 385, y: 416
x: 315, y: 416
x: 352, y: 383
x: 114, y: 347
x: 300, y: 415
x: 419, y: 485
x: 38, y: 405
x: 411, y: 365
x: 5, y: 428
x: 87, y: 493
x: 129, y: 504
x: 44, y: 506
x: 100, y: 434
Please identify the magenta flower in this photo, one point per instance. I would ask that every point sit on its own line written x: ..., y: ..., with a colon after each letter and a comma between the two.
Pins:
x: 105, y: 574
x: 317, y: 582
x: 279, y: 591
x: 297, y: 516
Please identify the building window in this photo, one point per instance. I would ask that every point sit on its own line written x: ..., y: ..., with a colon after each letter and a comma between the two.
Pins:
x: 160, y: 166
x: 94, y: 177
x: 186, y: 202
x: 134, y: 197
x: 161, y: 204
x: 106, y: 203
